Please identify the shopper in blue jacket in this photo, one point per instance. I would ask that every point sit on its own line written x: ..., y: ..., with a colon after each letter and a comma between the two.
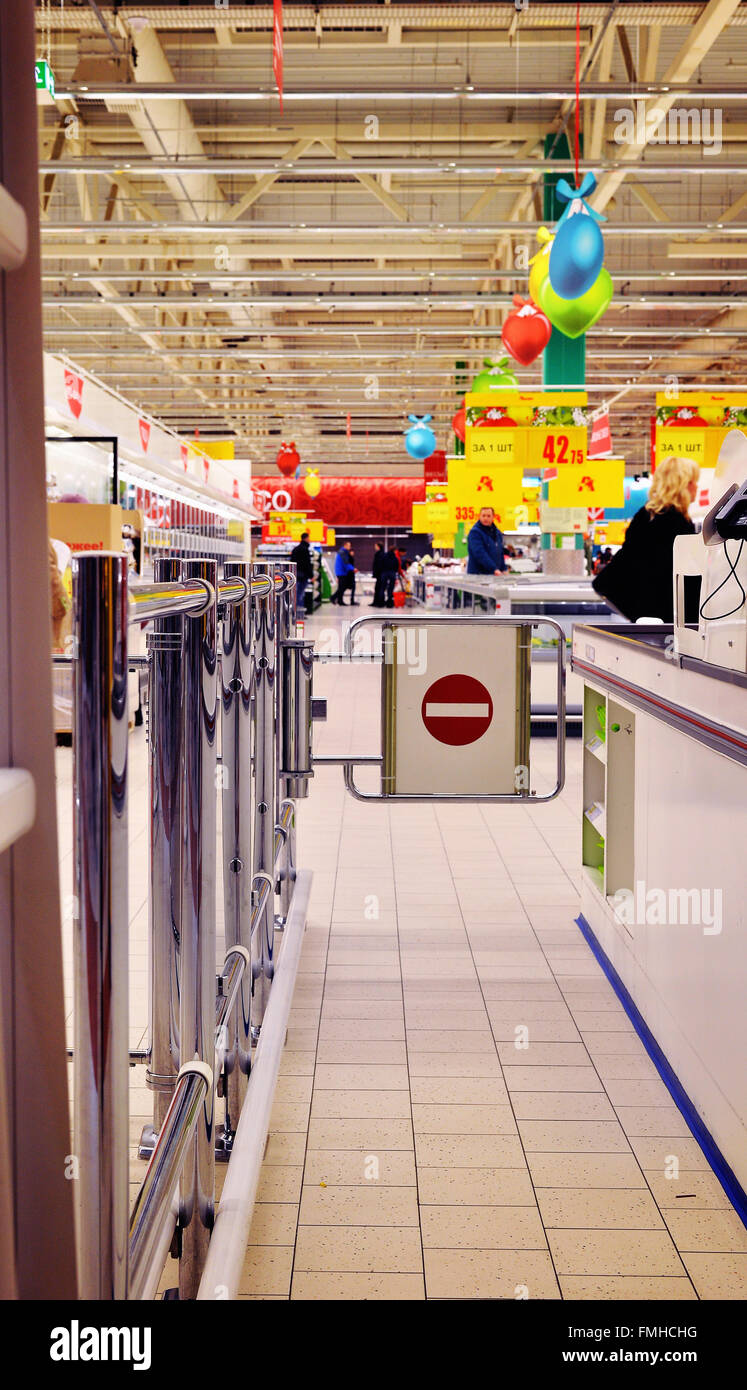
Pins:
x: 485, y: 546
x: 345, y: 572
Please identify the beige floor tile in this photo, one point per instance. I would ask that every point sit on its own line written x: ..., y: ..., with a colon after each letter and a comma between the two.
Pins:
x: 529, y: 991
x: 599, y: 1208
x: 294, y: 1088
x: 279, y: 1184
x: 489, y: 1274
x: 482, y: 1228
x: 709, y: 1232
x: 561, y: 1105
x: 659, y: 1153
x: 468, y: 1151
x: 353, y: 1052
x: 627, y: 1067
x: 290, y: 1117
x: 473, y: 1187
x: 572, y: 1136
x: 474, y: 1064
x: 617, y: 1044
x: 351, y: 1288
x: 333, y: 1030
x: 377, y: 1011
x: 461, y: 1020
x: 718, y: 1276
x: 539, y: 1031
x: 297, y: 1063
x: 274, y: 1223
x: 358, y: 1206
x: 543, y: 1054
x: 285, y: 1149
x: 370, y: 1134
x: 536, y: 1078
x: 267, y: 1270
x: 464, y: 1090
x: 358, y: 1076
x: 613, y: 1252
x: 640, y: 1288
x: 385, y: 1168
x: 434, y: 1041
x: 359, y: 1249
x: 382, y: 1105
x: 652, y: 1121
x: 689, y: 1191
x: 463, y: 1119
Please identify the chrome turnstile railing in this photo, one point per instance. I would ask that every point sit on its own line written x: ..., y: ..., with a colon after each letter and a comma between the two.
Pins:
x: 214, y: 726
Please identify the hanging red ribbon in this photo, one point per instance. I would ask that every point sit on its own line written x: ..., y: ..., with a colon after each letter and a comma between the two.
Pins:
x: 277, y: 48
x: 578, y: 80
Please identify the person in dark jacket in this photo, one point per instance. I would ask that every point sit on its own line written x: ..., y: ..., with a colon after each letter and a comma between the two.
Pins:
x: 301, y: 557
x: 390, y: 569
x: 485, y: 545
x: 345, y: 571
x: 639, y: 580
x: 377, y: 570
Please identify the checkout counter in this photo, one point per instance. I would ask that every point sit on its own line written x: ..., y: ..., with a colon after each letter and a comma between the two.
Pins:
x: 664, y: 882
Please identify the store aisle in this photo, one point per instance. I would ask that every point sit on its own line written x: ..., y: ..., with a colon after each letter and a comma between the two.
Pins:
x: 464, y: 1109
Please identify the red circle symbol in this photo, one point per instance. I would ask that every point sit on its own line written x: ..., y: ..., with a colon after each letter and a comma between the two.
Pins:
x: 457, y: 709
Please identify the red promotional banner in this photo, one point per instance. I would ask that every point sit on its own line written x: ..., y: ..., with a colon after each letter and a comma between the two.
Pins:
x: 144, y: 427
x: 600, y: 436
x: 74, y: 392
x: 434, y: 468
x: 343, y: 501
x: 277, y: 47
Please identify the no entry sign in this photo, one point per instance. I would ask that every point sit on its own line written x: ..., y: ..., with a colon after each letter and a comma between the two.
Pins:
x: 457, y: 709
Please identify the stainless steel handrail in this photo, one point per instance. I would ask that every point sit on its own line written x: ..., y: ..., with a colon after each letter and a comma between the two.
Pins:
x: 154, y: 1212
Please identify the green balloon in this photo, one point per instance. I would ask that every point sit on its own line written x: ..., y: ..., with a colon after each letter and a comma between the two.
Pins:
x: 574, y: 316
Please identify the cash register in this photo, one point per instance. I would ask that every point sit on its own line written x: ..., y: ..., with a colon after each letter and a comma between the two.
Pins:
x: 710, y: 570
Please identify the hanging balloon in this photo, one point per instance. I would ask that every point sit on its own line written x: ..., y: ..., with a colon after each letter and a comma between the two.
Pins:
x: 312, y: 483
x: 577, y: 252
x: 539, y: 263
x: 459, y: 422
x: 420, y: 442
x: 526, y: 331
x: 288, y: 459
x: 500, y: 377
x: 574, y: 316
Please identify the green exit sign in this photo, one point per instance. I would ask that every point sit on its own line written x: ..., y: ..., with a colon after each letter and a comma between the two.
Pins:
x: 44, y: 77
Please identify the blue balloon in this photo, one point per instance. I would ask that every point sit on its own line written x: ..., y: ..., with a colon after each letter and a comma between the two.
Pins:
x: 420, y: 442
x: 576, y: 256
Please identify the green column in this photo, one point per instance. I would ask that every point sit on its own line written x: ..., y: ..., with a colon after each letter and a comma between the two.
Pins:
x: 564, y: 359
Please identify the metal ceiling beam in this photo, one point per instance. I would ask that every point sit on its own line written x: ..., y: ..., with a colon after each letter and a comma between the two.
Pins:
x: 475, y: 165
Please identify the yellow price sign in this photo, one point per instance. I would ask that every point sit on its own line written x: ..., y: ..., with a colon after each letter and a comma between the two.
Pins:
x: 494, y: 445
x: 557, y: 446
x: 472, y: 488
x: 686, y: 441
x: 595, y: 483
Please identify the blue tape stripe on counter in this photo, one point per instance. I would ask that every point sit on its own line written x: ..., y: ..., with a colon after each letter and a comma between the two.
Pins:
x: 728, y: 1179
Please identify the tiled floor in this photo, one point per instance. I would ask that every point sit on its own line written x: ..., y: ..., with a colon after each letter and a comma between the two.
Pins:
x: 464, y: 1109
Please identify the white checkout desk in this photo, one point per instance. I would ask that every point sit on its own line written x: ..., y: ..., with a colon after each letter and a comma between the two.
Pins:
x: 665, y: 808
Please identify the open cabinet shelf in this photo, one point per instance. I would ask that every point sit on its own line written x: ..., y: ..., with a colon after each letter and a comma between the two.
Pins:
x: 608, y: 794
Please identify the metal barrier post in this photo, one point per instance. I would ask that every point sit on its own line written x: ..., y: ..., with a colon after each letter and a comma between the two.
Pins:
x: 164, y: 916
x: 236, y: 741
x: 197, y: 954
x: 100, y: 729
x: 286, y: 632
x: 264, y: 676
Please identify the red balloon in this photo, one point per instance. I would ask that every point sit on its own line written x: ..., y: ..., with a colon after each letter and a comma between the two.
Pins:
x: 526, y: 331
x: 288, y: 459
x: 459, y: 422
